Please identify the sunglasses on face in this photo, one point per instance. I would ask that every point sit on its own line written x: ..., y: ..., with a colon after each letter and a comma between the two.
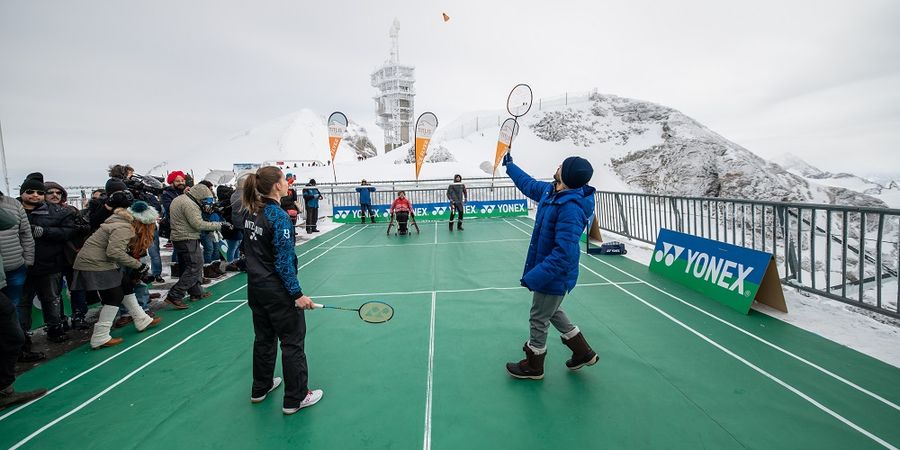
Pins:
x: 54, y: 193
x: 34, y: 192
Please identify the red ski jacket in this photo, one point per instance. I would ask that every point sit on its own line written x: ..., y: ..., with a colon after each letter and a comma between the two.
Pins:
x: 401, y: 204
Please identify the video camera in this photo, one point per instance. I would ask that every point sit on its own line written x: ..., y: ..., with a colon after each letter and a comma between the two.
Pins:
x: 139, y: 184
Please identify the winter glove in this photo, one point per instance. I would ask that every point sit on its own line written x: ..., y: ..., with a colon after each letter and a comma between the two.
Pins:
x: 507, y: 159
x: 37, y: 231
x: 140, y: 272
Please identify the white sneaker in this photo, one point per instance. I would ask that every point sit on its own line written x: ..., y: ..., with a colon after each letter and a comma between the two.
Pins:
x: 275, y: 383
x: 312, y: 397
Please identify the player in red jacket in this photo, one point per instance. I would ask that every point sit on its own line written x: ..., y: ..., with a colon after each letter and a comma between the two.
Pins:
x: 402, y: 210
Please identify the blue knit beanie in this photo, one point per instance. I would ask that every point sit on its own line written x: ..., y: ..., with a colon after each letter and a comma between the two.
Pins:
x: 576, y: 172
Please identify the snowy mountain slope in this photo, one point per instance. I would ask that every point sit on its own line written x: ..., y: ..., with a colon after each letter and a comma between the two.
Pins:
x: 888, y: 192
x: 634, y: 146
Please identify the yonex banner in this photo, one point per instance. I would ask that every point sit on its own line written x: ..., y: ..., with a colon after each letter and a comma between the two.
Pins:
x: 729, y: 274
x: 440, y: 211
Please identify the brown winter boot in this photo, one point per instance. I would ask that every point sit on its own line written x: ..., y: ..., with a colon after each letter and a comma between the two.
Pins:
x: 582, y: 354
x: 532, y: 367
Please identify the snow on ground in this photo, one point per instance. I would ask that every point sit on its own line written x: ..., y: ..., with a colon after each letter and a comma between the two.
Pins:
x: 871, y: 334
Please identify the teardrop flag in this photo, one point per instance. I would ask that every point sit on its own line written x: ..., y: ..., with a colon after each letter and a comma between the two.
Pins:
x: 425, y: 127
x: 337, y: 126
x: 508, y: 131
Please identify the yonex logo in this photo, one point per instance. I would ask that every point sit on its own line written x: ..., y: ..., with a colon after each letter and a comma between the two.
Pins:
x: 439, y: 210
x: 488, y: 209
x: 669, y: 257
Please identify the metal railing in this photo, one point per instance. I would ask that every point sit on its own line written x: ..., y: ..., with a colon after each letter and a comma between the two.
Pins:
x: 849, y: 254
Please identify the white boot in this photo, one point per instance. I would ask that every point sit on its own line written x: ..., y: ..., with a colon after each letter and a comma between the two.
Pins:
x: 104, y: 323
x: 141, y: 319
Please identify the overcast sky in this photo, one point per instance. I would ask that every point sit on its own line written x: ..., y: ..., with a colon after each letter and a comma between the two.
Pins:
x: 84, y: 84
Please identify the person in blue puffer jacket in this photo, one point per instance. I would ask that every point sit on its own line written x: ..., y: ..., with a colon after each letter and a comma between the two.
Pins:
x: 565, y: 208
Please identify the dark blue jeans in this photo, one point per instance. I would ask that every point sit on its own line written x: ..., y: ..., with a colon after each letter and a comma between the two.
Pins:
x: 15, y: 282
x: 209, y: 247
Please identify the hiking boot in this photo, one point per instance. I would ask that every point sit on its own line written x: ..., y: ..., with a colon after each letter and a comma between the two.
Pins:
x: 259, y: 398
x: 123, y: 320
x: 28, y: 357
x: 78, y: 323
x: 532, y: 367
x: 451, y: 226
x: 459, y: 226
x: 206, y: 294
x: 205, y: 281
x: 312, y: 397
x: 155, y: 295
x: 582, y: 354
x: 159, y: 279
x: 232, y: 267
x: 210, y: 272
x: 176, y: 303
x: 10, y: 396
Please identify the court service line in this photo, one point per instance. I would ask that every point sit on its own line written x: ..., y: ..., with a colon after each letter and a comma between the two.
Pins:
x: 764, y: 341
x: 452, y: 291
x: 426, y: 442
x: 122, y: 380
x: 761, y: 371
x: 127, y: 349
x: 435, y: 233
x: 488, y: 241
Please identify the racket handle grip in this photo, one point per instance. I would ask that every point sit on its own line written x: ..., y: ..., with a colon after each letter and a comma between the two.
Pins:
x: 317, y: 306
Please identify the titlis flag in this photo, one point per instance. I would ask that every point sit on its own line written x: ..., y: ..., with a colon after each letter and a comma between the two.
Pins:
x: 508, y: 132
x: 425, y: 127
x: 337, y: 126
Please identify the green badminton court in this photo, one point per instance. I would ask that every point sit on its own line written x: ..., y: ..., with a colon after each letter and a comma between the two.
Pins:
x: 676, y: 370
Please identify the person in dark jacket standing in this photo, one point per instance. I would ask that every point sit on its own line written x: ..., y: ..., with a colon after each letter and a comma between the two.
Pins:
x: 52, y: 226
x: 58, y: 195
x: 274, y: 294
x: 564, y: 210
x: 311, y: 197
x: 458, y: 195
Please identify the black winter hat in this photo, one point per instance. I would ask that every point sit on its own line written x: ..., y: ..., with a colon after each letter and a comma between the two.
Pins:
x: 576, y: 172
x: 34, y: 181
x: 115, y: 184
x: 120, y: 199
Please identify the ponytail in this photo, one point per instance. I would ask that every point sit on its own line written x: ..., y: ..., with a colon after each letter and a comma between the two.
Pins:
x: 257, y: 185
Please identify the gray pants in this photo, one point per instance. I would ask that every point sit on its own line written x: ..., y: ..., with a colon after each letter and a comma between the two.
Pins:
x: 190, y: 257
x: 544, y: 311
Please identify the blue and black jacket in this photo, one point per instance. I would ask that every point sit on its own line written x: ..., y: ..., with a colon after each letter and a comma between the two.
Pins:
x: 365, y: 194
x: 269, y: 246
x: 551, y: 266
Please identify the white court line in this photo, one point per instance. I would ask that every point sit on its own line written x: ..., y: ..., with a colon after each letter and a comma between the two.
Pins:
x: 756, y: 368
x: 426, y: 445
x: 451, y: 291
x: 435, y: 233
x: 488, y: 241
x: 160, y: 331
x: 764, y: 341
x: 232, y: 301
x: 732, y: 354
x: 125, y: 350
x: 122, y: 380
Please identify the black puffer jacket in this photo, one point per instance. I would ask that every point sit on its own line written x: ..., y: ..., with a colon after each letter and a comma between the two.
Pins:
x: 58, y: 224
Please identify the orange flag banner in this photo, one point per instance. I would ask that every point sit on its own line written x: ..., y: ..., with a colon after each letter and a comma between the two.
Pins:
x: 337, y: 126
x: 425, y: 127
x: 508, y: 132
